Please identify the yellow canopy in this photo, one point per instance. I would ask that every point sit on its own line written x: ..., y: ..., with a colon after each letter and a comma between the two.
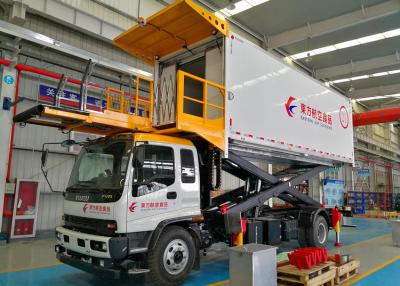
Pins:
x: 181, y: 24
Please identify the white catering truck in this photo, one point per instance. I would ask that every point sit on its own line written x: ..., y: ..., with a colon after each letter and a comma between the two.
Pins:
x: 139, y: 199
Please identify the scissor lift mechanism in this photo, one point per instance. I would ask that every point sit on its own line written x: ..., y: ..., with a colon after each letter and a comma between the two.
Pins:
x: 259, y: 187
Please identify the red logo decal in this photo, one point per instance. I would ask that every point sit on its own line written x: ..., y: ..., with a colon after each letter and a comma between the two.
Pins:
x: 344, y: 117
x: 85, y: 206
x: 289, y: 106
x: 132, y: 207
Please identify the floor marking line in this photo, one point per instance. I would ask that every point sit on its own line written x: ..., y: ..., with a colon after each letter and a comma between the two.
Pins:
x: 223, y: 282
x: 362, y: 241
x: 371, y: 271
x: 29, y: 268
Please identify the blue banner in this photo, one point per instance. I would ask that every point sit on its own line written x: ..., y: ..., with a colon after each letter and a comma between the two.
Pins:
x: 333, y: 193
x: 69, y: 98
x: 72, y: 99
x: 363, y: 173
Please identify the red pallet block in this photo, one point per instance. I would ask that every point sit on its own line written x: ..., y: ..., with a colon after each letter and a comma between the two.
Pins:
x: 307, y: 257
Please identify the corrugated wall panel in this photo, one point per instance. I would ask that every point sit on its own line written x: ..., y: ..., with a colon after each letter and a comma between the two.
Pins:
x: 147, y: 7
x: 230, y: 182
x: 50, y: 211
x: 26, y: 165
x: 81, y: 40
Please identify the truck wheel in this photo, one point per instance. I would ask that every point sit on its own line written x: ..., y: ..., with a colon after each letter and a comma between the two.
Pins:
x: 317, y: 236
x: 172, y: 258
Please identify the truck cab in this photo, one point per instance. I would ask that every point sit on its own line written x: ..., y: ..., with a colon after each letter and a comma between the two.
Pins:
x: 121, y: 190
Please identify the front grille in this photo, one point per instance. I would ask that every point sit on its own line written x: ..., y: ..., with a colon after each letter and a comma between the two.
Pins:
x: 89, y: 225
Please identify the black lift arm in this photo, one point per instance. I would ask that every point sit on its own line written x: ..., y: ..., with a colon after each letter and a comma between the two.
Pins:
x: 271, y: 186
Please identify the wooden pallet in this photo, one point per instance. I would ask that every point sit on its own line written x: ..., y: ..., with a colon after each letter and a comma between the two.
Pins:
x: 381, y: 214
x: 321, y: 275
x: 392, y: 215
x: 347, y: 271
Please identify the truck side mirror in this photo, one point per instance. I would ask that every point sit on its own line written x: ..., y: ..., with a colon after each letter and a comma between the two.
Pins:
x: 45, y: 154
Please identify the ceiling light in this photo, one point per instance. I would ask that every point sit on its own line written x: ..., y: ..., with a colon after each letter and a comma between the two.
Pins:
x: 392, y: 33
x: 302, y: 55
x: 256, y: 2
x: 379, y: 74
x: 324, y: 50
x: 348, y: 44
x: 379, y: 97
x: 359, y: 77
x: 44, y: 38
x: 340, y: 80
x: 372, y: 38
x: 238, y: 7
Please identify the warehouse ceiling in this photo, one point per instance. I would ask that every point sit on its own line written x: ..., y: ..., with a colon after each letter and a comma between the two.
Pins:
x: 360, y: 41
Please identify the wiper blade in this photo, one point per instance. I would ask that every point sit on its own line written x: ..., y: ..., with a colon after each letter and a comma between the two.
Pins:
x: 83, y: 184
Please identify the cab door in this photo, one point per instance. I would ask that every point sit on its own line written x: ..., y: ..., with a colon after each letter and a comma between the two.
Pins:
x: 155, y: 193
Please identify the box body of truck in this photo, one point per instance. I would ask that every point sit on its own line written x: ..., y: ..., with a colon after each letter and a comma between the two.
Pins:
x: 281, y: 110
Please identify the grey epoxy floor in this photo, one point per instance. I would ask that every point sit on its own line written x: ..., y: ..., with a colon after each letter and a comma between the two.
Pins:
x: 372, y: 250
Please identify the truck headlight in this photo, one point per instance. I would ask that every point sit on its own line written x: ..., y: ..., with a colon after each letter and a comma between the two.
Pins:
x: 59, y: 235
x: 98, y: 245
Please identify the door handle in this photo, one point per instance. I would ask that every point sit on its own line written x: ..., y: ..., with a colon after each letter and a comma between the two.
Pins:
x: 172, y: 195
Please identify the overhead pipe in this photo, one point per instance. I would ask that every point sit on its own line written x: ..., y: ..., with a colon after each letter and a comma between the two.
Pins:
x: 54, y: 75
x: 376, y: 116
x: 26, y: 68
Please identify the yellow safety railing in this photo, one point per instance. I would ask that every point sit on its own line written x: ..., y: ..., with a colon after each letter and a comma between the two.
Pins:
x: 201, y: 107
x: 123, y: 102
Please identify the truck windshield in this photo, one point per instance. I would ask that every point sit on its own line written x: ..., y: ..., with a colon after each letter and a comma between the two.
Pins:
x: 101, y: 166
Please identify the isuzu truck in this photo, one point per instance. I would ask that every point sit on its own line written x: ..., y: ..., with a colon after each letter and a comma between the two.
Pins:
x: 142, y: 198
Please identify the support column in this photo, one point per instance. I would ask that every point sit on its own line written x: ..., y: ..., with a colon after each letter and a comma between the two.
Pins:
x: 270, y: 201
x: 8, y: 78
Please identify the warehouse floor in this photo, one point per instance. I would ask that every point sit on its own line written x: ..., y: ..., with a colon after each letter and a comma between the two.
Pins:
x: 32, y: 263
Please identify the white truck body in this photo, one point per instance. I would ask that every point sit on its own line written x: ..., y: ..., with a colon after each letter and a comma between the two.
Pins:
x: 278, y: 108
x: 142, y: 201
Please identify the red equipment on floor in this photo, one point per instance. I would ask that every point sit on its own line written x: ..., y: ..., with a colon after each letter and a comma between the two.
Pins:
x: 336, y: 219
x: 308, y: 257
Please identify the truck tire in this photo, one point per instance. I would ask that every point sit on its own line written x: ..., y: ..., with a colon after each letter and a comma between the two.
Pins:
x: 172, y: 258
x: 317, y: 236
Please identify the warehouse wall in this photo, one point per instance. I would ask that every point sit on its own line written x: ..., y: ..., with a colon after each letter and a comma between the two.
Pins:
x: 103, y: 18
x: 135, y: 8
x: 83, y: 41
x: 384, y: 133
x: 28, y: 142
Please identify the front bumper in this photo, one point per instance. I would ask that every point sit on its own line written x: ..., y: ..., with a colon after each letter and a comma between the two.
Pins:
x: 79, y: 242
x: 99, y: 271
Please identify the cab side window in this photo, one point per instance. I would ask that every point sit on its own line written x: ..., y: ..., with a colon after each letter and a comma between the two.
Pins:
x: 153, y: 169
x: 187, y: 165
